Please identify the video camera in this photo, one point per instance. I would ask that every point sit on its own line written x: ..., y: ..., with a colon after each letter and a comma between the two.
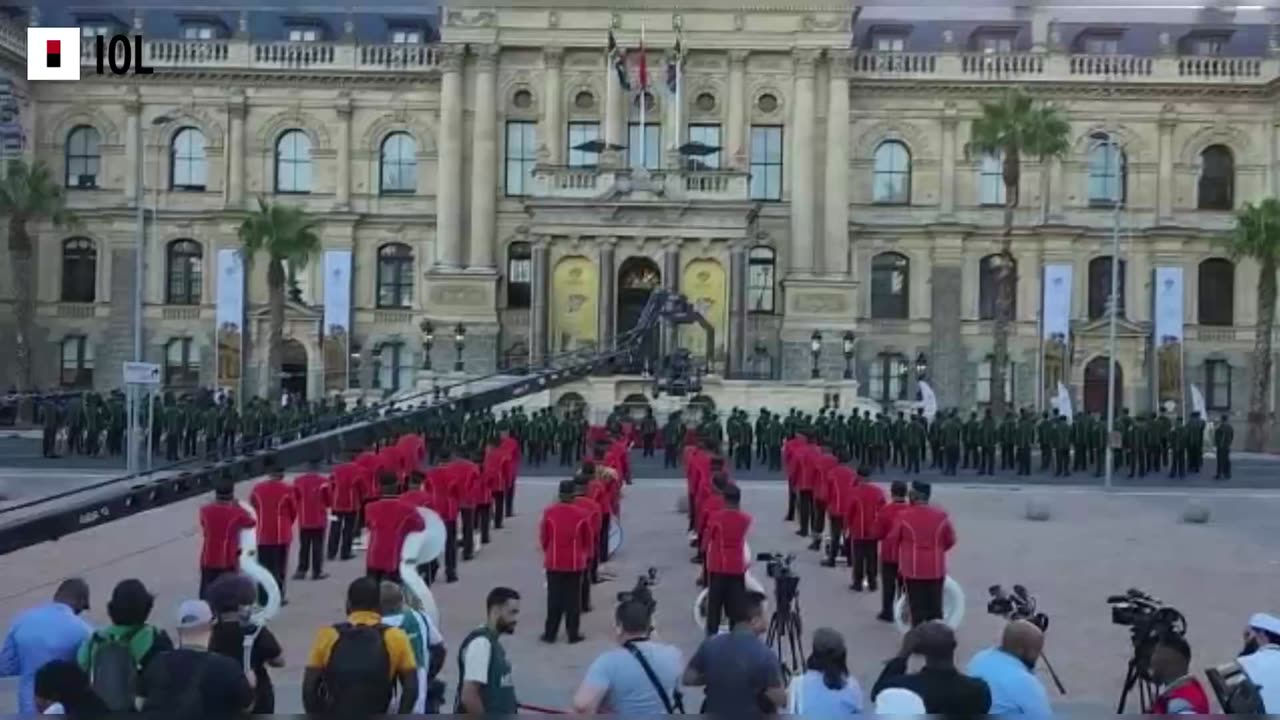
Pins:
x: 777, y: 565
x: 1146, y: 617
x: 1020, y: 605
x: 642, y: 592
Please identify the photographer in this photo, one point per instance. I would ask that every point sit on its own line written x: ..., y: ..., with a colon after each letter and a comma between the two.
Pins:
x: 1009, y: 671
x: 1170, y: 667
x: 1261, y: 658
x: 640, y: 677
x: 740, y: 672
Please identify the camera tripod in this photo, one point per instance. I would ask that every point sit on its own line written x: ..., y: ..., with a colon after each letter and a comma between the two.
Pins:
x: 1138, y: 676
x: 785, y: 635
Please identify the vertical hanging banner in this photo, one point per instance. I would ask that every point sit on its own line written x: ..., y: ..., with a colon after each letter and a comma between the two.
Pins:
x: 336, y: 332
x: 1055, y: 330
x: 229, y: 317
x: 1167, y: 337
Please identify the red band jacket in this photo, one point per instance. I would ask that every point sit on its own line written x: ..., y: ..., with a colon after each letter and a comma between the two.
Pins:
x: 314, y: 496
x: 886, y: 517
x: 277, y: 507
x: 446, y: 493
x: 726, y: 539
x: 221, y: 523
x: 923, y: 534
x: 841, y: 480
x: 390, y: 520
x: 865, y: 501
x: 348, y: 488
x: 822, y: 464
x: 565, y: 537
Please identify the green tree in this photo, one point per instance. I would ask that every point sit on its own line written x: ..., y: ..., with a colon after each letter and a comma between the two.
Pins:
x: 1013, y: 127
x: 286, y: 235
x: 28, y: 194
x: 1257, y: 236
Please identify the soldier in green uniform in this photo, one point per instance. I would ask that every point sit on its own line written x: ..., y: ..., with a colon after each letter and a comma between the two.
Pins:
x: 115, y: 424
x: 230, y: 427
x: 986, y: 437
x: 672, y: 435
x: 1195, y: 443
x: 1026, y: 439
x: 951, y: 433
x: 93, y: 422
x: 648, y: 432
x: 1139, y: 437
x: 1061, y: 445
x: 1044, y: 436
x: 211, y: 422
x: 1008, y: 440
x: 1178, y: 449
x: 745, y: 440
x: 172, y: 431
x: 565, y: 436
x: 1125, y: 426
x: 1098, y: 442
x: 1081, y: 431
x: 917, y: 433
x: 51, y: 422
x: 937, y: 455
x: 1223, y: 436
x: 773, y: 442
x: 1157, y: 450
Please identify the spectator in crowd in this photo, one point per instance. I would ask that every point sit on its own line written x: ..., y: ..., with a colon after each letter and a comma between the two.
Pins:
x: 232, y: 598
x: 1182, y: 692
x: 740, y: 672
x: 62, y: 688
x: 486, y: 686
x: 191, y: 681
x: 899, y: 701
x: 640, y: 677
x: 1260, y: 658
x: 113, y: 674
x: 425, y: 640
x: 1009, y: 671
x: 353, y: 667
x: 47, y: 632
x: 942, y: 687
x: 825, y: 689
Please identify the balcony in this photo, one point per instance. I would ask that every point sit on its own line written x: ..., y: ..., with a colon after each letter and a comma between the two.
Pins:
x: 1052, y: 67
x: 13, y: 40
x: 239, y: 54
x: 589, y: 183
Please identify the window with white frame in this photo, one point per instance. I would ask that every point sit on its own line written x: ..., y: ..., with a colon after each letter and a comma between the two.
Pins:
x: 1217, y: 386
x: 888, y: 378
x: 399, y: 165
x: 983, y: 391
x: 991, y: 179
x: 892, y: 182
x: 890, y: 42
x: 391, y: 366
x: 90, y: 31
x: 761, y: 281
x: 188, y: 166
x: 293, y: 162
x: 199, y: 31
x: 766, y: 162
x: 652, y: 145
x: 519, y: 274
x: 708, y: 136
x: 304, y: 34
x: 77, y: 362
x: 406, y: 36
x: 582, y: 133
x: 522, y: 156
x: 181, y: 364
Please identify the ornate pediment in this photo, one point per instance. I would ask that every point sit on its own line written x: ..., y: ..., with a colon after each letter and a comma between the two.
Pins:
x: 294, y: 312
x: 1125, y: 328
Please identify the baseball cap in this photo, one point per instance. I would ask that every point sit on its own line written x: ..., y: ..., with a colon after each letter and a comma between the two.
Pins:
x: 899, y: 701
x: 194, y: 614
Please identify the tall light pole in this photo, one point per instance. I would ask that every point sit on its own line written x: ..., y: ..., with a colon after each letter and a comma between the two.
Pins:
x: 1113, y: 303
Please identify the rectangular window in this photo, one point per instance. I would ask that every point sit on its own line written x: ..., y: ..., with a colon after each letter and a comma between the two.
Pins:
x: 353, y: 367
x: 304, y: 34
x: 890, y: 43
x: 390, y: 367
x: 581, y: 133
x: 991, y: 180
x: 406, y: 37
x: 707, y: 135
x: 995, y: 43
x: 760, y: 285
x: 521, y: 156
x: 983, y: 394
x: 93, y: 30
x: 198, y: 31
x: 766, y: 162
x: 1102, y: 45
x: 1207, y: 47
x: 77, y: 362
x: 1217, y: 386
x: 652, y: 145
x: 519, y: 275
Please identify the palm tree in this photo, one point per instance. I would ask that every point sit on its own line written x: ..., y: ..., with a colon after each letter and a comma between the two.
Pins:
x: 1011, y: 128
x: 28, y: 193
x: 286, y: 235
x: 1257, y: 236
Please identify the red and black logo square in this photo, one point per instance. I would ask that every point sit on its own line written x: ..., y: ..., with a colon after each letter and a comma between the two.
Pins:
x: 53, y: 53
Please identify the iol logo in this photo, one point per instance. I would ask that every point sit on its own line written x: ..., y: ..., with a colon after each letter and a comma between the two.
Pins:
x: 53, y: 53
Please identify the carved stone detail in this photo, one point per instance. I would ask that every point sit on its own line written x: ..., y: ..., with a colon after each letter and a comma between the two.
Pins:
x: 805, y: 60
x: 452, y: 56
x: 553, y: 56
x: 820, y: 303
x: 458, y: 296
x: 487, y: 57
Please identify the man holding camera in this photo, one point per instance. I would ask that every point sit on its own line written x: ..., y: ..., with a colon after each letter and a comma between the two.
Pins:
x: 640, y: 677
x: 923, y: 534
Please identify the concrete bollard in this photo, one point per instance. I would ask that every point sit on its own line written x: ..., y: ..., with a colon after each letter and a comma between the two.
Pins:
x: 1195, y: 513
x: 682, y: 504
x: 1038, y: 511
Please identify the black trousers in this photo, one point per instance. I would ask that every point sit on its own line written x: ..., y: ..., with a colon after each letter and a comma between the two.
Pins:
x: 563, y: 602
x: 208, y: 575
x: 484, y: 515
x: 468, y: 532
x: 589, y: 577
x: 509, y: 496
x: 864, y: 562
x: 693, y: 513
x: 723, y: 592
x: 836, y: 547
x: 791, y: 504
x: 1024, y: 460
x: 888, y: 588
x: 499, y: 511
x: 925, y: 600
x: 806, y: 511
x: 648, y: 445
x: 311, y: 551
x: 275, y: 558
x: 669, y: 456
x: 603, y: 546
x: 342, y: 533
x: 1224, y: 463
x: 987, y: 460
x: 818, y: 517
x: 451, y: 550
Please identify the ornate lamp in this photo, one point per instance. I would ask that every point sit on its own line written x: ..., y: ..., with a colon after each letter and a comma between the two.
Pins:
x: 815, y: 351
x: 428, y: 339
x: 848, y: 354
x: 459, y: 342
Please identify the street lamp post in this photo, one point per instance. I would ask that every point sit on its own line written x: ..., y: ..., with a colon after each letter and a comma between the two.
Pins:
x: 459, y: 340
x: 815, y: 350
x: 428, y: 339
x: 848, y: 354
x: 922, y: 371
x: 1113, y: 308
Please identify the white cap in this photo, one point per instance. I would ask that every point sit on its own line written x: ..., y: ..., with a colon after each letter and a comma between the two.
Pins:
x: 194, y: 614
x: 899, y: 701
x: 1265, y: 621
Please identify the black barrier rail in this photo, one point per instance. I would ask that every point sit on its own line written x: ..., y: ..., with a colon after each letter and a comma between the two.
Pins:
x: 89, y: 512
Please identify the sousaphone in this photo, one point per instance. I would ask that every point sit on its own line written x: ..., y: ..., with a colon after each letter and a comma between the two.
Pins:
x: 753, y: 585
x: 249, y: 565
x: 420, y: 548
x: 952, y: 607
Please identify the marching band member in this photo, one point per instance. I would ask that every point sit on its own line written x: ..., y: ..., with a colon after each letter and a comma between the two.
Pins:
x: 923, y: 535
x: 697, y: 468
x: 861, y: 512
x: 446, y: 500
x: 472, y: 490
x: 710, y: 501
x: 512, y: 447
x: 566, y: 540
x: 369, y: 466
x: 803, y: 463
x: 886, y: 517
x: 220, y: 523
x: 593, y: 510
x: 491, y: 471
x: 277, y: 506
x: 841, y: 481
x: 390, y: 520
x: 419, y: 497
x: 726, y: 565
x: 313, y: 496
x: 823, y: 462
x: 790, y: 449
x: 348, y: 499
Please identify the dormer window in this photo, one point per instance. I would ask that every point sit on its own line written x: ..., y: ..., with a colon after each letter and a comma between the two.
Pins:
x: 91, y: 30
x: 1205, y: 43
x: 1099, y: 44
x: 406, y: 36
x: 199, y: 31
x: 303, y: 33
x: 994, y: 42
x: 889, y: 42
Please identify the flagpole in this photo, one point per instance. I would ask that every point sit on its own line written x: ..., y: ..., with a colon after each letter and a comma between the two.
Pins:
x: 644, y: 106
x: 679, y: 99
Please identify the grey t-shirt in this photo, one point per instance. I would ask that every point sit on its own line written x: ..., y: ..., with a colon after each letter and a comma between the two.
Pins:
x: 738, y: 668
x: 628, y: 689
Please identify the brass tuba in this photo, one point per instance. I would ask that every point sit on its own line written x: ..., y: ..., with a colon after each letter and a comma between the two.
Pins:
x: 420, y: 548
x: 250, y: 566
x: 952, y: 607
x: 700, y: 602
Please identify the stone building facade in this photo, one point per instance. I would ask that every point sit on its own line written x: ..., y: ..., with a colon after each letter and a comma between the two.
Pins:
x: 810, y: 178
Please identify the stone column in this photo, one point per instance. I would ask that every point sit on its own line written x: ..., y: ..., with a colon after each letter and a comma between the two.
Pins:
x: 484, y: 160
x: 670, y: 281
x: 608, y: 272
x: 553, y: 129
x: 949, y: 180
x: 235, y: 154
x: 801, y: 163
x: 540, y: 307
x: 737, y: 309
x: 835, y: 254
x: 1164, y: 179
x: 131, y: 190
x: 449, y: 186
x: 736, y: 154
x: 342, y: 192
x: 1055, y: 189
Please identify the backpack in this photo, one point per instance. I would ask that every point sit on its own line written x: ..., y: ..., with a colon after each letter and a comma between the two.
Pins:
x: 357, y: 678
x: 113, y: 670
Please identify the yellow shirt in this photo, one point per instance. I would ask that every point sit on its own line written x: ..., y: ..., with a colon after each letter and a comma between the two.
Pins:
x: 399, y: 652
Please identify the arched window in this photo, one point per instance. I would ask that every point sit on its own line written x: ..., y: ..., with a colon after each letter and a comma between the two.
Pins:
x: 1100, y: 287
x: 892, y: 184
x: 889, y: 378
x: 293, y: 162
x: 399, y: 164
x: 1217, y: 284
x: 890, y: 285
x: 395, y: 276
x: 1107, y: 171
x: 991, y: 179
x: 760, y: 280
x: 79, y: 270
x: 1217, y: 179
x: 77, y: 362
x: 519, y: 275
x: 983, y: 391
x: 187, y: 165
x: 181, y: 364
x: 183, y: 263
x: 989, y: 287
x: 84, y: 158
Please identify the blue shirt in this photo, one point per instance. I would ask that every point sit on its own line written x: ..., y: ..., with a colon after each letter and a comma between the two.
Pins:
x: 1015, y: 690
x: 39, y: 635
x: 628, y: 690
x: 819, y: 701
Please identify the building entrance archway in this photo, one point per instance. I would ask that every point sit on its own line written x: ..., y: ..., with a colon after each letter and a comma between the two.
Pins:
x: 293, y: 369
x: 1095, y: 385
x: 638, y: 277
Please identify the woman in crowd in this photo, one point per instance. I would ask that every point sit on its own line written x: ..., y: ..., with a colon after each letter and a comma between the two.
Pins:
x: 825, y: 689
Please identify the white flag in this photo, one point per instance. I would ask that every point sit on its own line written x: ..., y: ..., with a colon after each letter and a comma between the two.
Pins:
x: 928, y: 401
x: 1064, y: 402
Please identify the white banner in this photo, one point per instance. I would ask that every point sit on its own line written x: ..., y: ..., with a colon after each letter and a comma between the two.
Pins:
x: 229, y: 286
x: 928, y: 400
x: 1056, y: 302
x: 1063, y: 403
x: 337, y: 320
x: 1167, y: 336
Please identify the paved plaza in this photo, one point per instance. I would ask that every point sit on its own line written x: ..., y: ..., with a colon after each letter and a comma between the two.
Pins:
x: 1094, y: 545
